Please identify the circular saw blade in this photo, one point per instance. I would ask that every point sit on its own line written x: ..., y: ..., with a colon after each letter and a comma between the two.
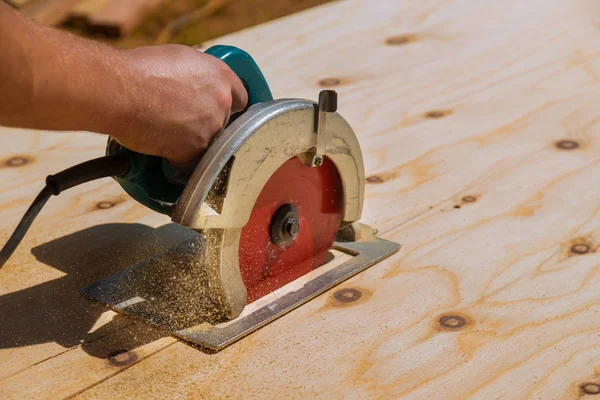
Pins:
x: 317, y: 194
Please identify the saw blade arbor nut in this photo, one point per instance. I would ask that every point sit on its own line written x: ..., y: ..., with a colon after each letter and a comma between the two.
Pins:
x: 285, y: 225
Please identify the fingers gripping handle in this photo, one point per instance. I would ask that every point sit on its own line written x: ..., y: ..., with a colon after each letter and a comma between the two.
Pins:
x: 150, y: 180
x: 246, y: 69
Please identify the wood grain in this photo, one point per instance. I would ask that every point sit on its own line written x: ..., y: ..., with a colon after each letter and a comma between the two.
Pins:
x: 49, y: 12
x: 117, y: 18
x: 18, y: 3
x: 479, y: 127
x: 79, y: 15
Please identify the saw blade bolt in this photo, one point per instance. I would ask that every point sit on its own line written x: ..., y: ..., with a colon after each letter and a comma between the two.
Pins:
x: 291, y: 227
x: 285, y: 225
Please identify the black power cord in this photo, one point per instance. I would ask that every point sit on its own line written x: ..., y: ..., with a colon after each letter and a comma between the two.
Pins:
x: 97, y: 168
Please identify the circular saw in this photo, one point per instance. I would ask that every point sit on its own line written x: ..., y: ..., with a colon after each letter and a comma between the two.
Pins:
x: 273, y: 203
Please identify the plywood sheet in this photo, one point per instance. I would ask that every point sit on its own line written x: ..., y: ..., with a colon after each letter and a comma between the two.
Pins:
x: 479, y: 127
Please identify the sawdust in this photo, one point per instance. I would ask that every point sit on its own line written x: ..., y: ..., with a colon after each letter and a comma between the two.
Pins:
x: 180, y: 288
x: 216, y: 195
x: 203, y: 327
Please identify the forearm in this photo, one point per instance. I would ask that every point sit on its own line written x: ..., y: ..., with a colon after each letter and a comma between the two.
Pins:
x: 166, y: 101
x: 52, y: 80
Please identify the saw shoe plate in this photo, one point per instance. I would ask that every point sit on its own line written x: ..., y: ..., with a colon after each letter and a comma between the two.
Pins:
x: 171, y: 291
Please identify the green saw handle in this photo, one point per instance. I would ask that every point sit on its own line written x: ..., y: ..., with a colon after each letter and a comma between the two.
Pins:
x: 154, y: 182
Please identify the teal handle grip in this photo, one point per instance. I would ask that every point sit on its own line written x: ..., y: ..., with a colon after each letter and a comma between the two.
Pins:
x: 246, y: 69
x: 150, y: 179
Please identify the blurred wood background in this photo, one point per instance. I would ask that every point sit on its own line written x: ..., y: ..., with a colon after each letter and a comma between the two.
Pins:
x: 130, y: 23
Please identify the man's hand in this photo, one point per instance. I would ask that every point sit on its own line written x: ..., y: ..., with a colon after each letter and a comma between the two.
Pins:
x: 165, y: 100
x: 178, y: 98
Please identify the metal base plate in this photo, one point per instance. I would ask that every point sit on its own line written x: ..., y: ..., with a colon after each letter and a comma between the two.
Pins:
x: 171, y: 292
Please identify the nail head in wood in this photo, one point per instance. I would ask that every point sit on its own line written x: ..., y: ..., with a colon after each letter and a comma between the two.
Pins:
x: 452, y: 321
x: 590, y: 388
x: 347, y: 295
